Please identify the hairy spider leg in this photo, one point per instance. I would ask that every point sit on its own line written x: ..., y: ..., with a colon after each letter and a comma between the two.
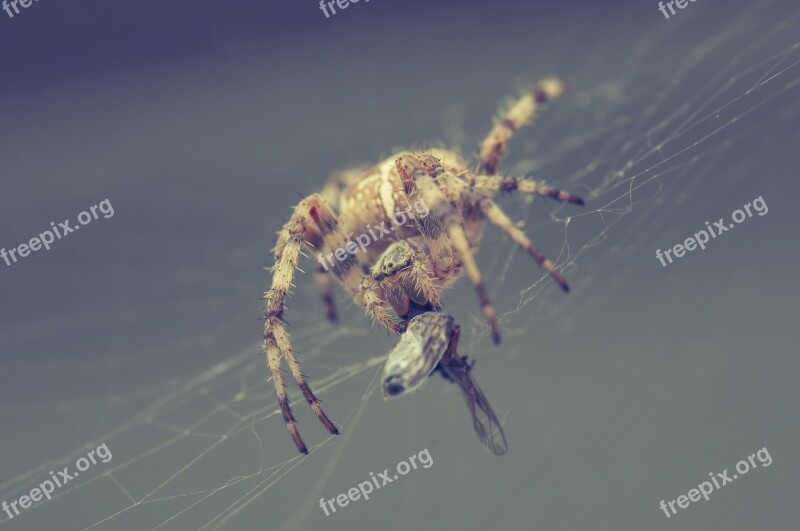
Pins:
x: 519, y: 114
x: 489, y: 185
x: 496, y: 215
x: 443, y: 229
x: 310, y: 212
x: 323, y: 281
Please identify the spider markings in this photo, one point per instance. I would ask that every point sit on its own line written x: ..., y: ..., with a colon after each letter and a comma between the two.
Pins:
x: 386, y: 194
x: 435, y: 250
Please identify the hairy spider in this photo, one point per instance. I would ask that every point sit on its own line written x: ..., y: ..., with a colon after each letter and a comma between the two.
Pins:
x: 403, y: 272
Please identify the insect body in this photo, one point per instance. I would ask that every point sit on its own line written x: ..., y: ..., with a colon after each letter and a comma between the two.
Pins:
x: 429, y: 344
x: 416, y: 354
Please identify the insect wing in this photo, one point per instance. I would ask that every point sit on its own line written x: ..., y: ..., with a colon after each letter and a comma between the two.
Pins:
x: 484, y: 419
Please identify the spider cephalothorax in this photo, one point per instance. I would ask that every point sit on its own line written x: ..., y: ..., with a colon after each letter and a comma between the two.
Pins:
x: 396, y: 273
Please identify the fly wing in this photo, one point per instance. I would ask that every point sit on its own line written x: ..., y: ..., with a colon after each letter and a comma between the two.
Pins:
x: 484, y: 419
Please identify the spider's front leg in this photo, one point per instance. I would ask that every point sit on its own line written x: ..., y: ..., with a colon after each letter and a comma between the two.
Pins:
x: 314, y: 220
x: 520, y: 113
x: 443, y: 229
x: 309, y: 212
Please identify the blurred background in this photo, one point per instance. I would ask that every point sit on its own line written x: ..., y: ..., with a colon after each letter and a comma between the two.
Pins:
x: 203, y: 123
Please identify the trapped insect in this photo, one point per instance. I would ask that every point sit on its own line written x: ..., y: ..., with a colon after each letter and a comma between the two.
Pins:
x: 430, y: 343
x: 403, y: 273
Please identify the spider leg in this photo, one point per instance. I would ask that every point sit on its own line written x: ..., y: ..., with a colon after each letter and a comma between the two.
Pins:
x: 357, y: 283
x: 276, y: 340
x: 371, y: 297
x: 496, y: 215
x: 459, y: 240
x: 433, y: 227
x: 323, y: 281
x: 419, y: 186
x: 366, y: 292
x: 489, y: 185
x: 314, y: 220
x: 519, y: 114
x: 315, y: 224
x: 443, y: 228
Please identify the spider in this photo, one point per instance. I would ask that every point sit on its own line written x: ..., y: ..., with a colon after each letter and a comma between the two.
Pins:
x: 403, y: 273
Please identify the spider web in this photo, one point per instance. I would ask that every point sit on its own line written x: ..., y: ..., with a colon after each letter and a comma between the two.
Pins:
x: 211, y: 451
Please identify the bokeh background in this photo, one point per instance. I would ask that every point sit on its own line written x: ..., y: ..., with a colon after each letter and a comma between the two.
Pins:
x: 204, y: 122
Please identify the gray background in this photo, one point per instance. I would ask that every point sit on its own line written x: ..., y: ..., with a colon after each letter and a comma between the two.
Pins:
x: 204, y: 122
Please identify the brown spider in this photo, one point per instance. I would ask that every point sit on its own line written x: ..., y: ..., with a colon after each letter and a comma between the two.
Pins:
x: 405, y: 270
